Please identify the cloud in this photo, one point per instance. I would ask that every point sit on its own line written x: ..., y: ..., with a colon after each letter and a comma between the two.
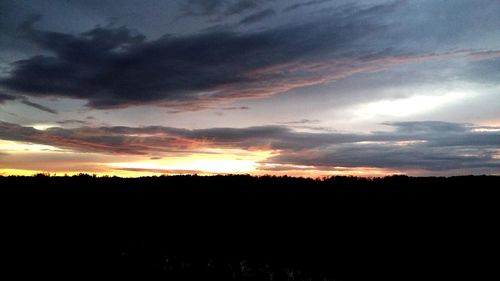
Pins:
x: 304, y: 4
x: 165, y: 171
x: 241, y: 6
x: 115, y: 67
x: 74, y: 122
x: 38, y: 106
x: 428, y: 127
x: 258, y: 16
x: 485, y: 55
x: 221, y: 7
x: 235, y: 108
x: 403, y: 158
x: 25, y: 101
x: 231, y: 108
x: 426, y: 145
x: 302, y: 122
x: 484, y: 68
x: 208, y: 7
x: 6, y: 97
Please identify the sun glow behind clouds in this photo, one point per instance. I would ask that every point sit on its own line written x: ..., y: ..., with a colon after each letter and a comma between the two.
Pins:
x: 29, y: 159
x: 231, y: 161
x: 205, y: 166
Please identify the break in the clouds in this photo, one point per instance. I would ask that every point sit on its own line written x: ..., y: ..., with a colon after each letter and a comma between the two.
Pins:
x: 329, y: 73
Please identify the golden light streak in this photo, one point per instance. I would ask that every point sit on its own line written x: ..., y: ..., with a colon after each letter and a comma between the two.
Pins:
x: 17, y: 172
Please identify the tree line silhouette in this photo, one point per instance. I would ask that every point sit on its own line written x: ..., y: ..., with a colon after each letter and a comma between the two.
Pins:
x: 239, y: 227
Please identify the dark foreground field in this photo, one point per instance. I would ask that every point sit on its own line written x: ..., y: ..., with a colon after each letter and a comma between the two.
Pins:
x: 245, y: 228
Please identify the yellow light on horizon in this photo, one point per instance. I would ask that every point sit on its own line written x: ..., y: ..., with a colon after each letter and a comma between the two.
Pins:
x: 19, y: 157
x: 204, y: 165
x: 318, y: 172
x: 226, y: 162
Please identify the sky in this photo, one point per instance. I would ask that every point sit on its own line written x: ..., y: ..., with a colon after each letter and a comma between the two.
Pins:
x: 264, y: 87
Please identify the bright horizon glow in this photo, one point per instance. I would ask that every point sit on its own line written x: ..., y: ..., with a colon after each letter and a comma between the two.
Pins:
x: 214, y: 161
x: 202, y: 165
x: 308, y: 173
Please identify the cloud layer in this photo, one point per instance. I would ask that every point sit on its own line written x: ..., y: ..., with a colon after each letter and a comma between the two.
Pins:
x: 115, y: 67
x: 426, y: 145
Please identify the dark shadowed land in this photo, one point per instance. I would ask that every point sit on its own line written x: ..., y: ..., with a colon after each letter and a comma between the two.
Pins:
x: 248, y: 228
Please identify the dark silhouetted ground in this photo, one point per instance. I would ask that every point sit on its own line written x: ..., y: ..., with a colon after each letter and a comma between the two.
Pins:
x: 248, y: 228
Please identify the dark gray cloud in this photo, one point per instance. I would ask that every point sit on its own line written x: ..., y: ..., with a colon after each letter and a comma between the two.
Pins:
x: 401, y: 157
x: 428, y: 145
x: 428, y: 127
x: 74, y: 122
x: 115, y: 67
x: 411, y: 145
x: 258, y: 16
x: 25, y: 101
x: 6, y: 97
x: 38, y: 106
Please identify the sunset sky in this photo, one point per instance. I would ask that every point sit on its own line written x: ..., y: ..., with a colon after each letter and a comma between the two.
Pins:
x: 304, y: 88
